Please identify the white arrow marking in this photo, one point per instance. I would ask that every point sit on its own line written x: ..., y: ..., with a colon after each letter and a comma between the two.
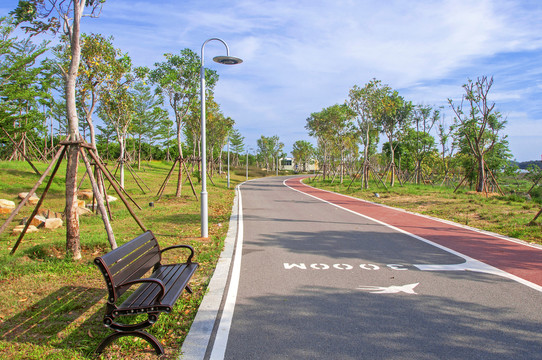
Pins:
x: 408, y: 289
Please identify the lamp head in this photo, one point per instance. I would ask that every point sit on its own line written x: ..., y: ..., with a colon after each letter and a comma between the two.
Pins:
x: 227, y: 60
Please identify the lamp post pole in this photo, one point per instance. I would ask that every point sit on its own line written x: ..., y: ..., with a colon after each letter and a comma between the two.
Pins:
x: 226, y: 60
x: 228, y: 161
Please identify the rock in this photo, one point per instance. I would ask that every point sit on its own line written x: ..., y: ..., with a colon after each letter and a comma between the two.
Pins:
x: 50, y: 214
x: 19, y: 229
x: 91, y: 206
x: 6, y: 204
x: 85, y: 194
x: 33, y: 200
x: 83, y: 211
x: 53, y: 223
x: 38, y: 221
x: 111, y: 198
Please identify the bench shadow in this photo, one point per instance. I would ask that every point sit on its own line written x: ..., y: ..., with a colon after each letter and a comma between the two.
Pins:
x: 70, y: 317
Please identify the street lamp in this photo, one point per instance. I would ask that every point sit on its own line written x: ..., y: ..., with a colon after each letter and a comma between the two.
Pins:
x: 226, y: 60
x: 228, y: 161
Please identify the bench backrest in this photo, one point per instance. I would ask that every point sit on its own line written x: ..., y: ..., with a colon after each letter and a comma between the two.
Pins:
x: 128, y: 262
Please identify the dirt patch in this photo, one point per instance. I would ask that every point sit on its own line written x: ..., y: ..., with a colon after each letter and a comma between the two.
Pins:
x: 484, y: 194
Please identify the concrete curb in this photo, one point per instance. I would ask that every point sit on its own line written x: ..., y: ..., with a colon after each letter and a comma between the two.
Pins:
x: 197, y: 341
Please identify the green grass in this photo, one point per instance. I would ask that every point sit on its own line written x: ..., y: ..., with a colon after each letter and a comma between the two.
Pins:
x: 52, y: 307
x: 508, y: 215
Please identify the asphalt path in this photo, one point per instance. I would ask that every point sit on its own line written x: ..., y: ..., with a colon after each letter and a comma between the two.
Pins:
x: 317, y: 275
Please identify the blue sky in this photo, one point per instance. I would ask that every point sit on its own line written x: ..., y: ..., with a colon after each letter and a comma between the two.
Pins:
x: 302, y: 56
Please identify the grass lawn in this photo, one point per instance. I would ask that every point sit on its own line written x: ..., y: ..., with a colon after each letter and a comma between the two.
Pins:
x: 52, y: 307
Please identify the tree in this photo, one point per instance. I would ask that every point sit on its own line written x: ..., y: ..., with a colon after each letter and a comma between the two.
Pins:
x: 237, y: 144
x: 478, y: 125
x: 269, y: 149
x: 217, y: 133
x: 149, y: 117
x: 444, y: 132
x: 302, y: 152
x: 340, y: 118
x: 100, y: 62
x: 63, y: 15
x: 321, y: 129
x: 393, y: 114
x: 117, y: 109
x: 177, y: 79
x: 217, y: 129
x: 363, y: 103
x: 24, y: 89
x: 104, y: 138
x: 421, y: 143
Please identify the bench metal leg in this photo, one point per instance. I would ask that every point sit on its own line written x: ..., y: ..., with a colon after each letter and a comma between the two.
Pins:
x: 158, y: 348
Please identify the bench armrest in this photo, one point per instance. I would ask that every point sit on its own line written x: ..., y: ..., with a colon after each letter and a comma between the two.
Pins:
x: 147, y: 280
x: 189, y: 260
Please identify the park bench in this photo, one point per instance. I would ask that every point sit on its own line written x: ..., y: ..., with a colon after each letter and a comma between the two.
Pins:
x: 138, y: 263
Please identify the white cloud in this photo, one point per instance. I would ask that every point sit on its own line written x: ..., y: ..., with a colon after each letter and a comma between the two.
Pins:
x: 300, y: 56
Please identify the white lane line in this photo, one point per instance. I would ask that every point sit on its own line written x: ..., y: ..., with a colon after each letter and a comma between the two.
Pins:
x: 197, y: 341
x: 221, y: 339
x: 470, y: 264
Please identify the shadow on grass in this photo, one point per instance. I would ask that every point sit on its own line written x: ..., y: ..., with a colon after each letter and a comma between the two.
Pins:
x: 69, y: 318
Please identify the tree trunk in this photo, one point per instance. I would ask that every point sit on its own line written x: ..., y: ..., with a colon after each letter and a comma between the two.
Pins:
x: 122, y: 143
x: 139, y: 154
x: 325, y: 162
x: 419, y: 171
x: 180, y: 174
x: 366, y: 161
x: 392, y: 163
x: 342, y: 165
x: 73, y: 245
x: 481, y: 174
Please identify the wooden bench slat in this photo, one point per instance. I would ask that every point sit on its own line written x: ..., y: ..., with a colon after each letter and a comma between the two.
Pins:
x: 146, y: 294
x: 175, y: 278
x: 120, y: 252
x: 179, y: 283
x: 136, y: 269
x: 117, y: 266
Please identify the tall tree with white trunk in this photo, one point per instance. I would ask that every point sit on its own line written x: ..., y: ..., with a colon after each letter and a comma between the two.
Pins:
x: 64, y: 16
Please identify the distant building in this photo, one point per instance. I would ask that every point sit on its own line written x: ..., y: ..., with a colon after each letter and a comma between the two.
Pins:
x: 289, y: 164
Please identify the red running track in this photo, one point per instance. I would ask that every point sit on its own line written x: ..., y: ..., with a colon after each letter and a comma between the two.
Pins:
x: 516, y: 258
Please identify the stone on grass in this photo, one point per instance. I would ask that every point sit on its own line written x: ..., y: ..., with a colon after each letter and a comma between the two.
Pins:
x: 37, y: 221
x: 50, y: 214
x: 83, y: 211
x: 53, y: 223
x: 19, y: 229
x: 6, y: 204
x: 33, y: 200
x: 85, y: 194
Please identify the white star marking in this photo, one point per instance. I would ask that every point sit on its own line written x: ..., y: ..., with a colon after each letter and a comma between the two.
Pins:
x: 408, y: 289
